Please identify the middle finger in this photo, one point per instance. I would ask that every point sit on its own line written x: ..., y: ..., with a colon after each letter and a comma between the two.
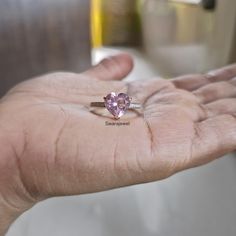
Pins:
x: 215, y: 91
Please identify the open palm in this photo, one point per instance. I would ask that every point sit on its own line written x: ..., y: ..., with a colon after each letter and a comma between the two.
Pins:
x: 61, y: 147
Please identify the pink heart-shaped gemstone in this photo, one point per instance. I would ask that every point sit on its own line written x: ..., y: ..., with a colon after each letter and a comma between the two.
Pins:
x: 117, y: 104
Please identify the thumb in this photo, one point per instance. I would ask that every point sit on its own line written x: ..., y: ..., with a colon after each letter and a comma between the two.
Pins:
x: 112, y: 68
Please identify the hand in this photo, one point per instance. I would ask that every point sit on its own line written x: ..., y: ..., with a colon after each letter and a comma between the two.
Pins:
x: 53, y: 145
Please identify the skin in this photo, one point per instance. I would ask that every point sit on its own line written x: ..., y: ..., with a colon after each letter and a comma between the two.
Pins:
x: 53, y: 145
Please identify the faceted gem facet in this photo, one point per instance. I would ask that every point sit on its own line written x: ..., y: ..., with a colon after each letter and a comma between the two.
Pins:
x: 117, y: 104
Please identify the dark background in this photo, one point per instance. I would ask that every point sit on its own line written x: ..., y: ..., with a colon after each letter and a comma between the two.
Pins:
x: 38, y: 36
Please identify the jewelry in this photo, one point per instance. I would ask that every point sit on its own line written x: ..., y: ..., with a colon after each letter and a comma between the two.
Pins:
x: 117, y: 104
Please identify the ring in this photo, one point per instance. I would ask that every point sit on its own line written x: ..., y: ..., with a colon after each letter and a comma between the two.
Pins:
x: 117, y: 104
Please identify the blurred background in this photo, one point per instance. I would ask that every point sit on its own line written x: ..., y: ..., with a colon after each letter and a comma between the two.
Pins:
x: 166, y: 38
x: 180, y: 36
x: 176, y: 36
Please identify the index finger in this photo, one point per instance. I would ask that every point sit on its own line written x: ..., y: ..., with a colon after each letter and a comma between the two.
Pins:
x: 195, y: 81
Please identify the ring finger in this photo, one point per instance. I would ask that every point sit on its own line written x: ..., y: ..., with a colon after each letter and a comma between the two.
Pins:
x: 221, y: 107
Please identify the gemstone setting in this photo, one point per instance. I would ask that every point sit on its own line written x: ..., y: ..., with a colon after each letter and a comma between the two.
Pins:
x: 117, y: 104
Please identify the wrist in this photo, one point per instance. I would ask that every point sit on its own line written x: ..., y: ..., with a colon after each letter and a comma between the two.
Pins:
x: 7, y: 216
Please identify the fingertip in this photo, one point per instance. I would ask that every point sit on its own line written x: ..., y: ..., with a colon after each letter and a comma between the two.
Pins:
x: 118, y: 66
x: 126, y: 60
x: 115, y: 67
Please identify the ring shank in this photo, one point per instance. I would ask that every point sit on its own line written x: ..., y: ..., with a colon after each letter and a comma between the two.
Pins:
x: 102, y: 104
x: 97, y: 104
